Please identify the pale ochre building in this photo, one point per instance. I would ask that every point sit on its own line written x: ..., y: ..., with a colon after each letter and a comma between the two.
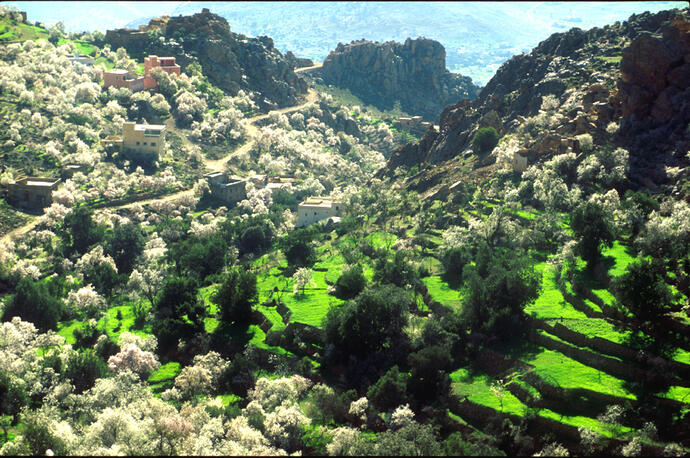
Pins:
x: 316, y: 209
x: 140, y: 142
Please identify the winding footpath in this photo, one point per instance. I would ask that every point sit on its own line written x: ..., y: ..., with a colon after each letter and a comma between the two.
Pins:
x: 218, y: 164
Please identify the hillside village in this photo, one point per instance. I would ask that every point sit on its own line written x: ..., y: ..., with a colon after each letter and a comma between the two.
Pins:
x: 206, y: 248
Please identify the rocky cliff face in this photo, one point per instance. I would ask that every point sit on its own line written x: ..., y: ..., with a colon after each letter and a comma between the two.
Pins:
x: 231, y: 61
x: 626, y: 85
x: 654, y: 89
x: 413, y: 73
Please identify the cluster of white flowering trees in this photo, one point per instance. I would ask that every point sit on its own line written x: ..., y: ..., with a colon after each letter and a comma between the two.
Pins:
x: 304, y: 144
x: 62, y: 112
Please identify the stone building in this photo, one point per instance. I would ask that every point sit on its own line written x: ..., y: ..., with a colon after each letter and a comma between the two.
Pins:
x: 414, y: 124
x: 32, y: 192
x: 229, y: 190
x: 272, y: 183
x: 519, y: 162
x: 316, y: 209
x: 123, y: 78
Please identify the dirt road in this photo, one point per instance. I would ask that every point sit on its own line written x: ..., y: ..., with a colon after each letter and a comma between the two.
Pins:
x: 218, y: 164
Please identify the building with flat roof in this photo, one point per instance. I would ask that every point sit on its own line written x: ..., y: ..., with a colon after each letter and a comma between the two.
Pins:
x: 81, y: 59
x: 229, y: 190
x: 32, y: 192
x: 139, y: 142
x: 143, y: 142
x: 123, y: 78
x: 316, y: 209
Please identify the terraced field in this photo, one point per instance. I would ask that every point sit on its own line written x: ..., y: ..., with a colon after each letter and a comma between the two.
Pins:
x: 597, y: 370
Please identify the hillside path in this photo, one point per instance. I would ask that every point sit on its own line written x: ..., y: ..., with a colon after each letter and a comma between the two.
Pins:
x: 253, y: 131
x: 218, y: 164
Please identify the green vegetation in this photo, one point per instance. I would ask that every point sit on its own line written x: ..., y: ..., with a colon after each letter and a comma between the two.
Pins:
x: 13, y: 31
x: 485, y: 140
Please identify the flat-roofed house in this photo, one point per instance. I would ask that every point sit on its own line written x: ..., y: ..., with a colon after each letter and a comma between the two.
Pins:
x: 229, y: 190
x: 316, y: 209
x: 143, y: 142
x: 123, y: 78
x: 32, y: 192
x: 81, y: 59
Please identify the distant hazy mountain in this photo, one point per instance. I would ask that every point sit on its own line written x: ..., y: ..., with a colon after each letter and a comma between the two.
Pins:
x: 478, y: 36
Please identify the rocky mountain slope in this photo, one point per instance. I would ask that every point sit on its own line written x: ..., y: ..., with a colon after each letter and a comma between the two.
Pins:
x: 625, y: 85
x: 231, y: 61
x: 413, y: 73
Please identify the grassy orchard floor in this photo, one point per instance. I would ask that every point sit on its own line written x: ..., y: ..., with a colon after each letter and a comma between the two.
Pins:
x: 551, y: 365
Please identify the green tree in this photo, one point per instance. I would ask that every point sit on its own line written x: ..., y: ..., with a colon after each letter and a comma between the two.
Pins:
x: 485, y: 140
x: 199, y: 256
x: 84, y: 368
x: 237, y: 295
x: 12, y: 394
x: 429, y: 379
x: 124, y: 244
x: 643, y: 291
x: 389, y: 391
x: 454, y: 260
x: 298, y: 248
x: 255, y: 239
x: 497, y: 291
x: 80, y: 231
x: 102, y: 276
x: 592, y: 226
x: 350, y: 283
x: 371, y: 323
x: 179, y: 315
x: 34, y: 302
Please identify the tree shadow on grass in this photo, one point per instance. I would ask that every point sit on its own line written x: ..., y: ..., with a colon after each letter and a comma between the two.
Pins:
x: 521, y: 349
x: 229, y: 339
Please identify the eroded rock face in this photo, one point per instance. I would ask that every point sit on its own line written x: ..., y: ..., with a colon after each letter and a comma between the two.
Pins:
x: 230, y: 61
x: 653, y: 95
x: 413, y: 73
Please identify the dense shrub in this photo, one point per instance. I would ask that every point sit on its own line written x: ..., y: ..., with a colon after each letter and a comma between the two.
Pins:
x: 485, y: 140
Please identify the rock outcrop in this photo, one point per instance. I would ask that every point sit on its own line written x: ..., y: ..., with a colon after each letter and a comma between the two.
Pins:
x: 625, y: 85
x: 413, y: 73
x: 654, y: 90
x: 230, y: 61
